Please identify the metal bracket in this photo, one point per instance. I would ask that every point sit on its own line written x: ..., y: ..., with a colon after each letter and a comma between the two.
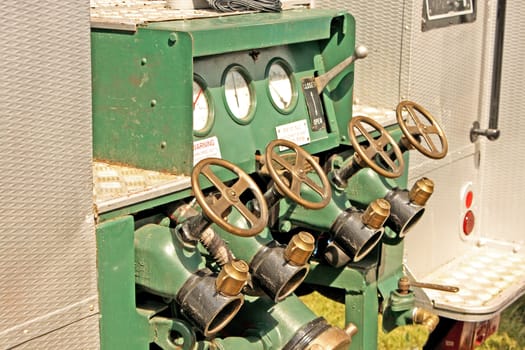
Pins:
x: 475, y: 132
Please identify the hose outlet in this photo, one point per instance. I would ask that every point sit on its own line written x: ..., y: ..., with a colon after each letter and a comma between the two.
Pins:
x: 404, y: 213
x: 421, y: 191
x: 232, y: 278
x: 354, y: 237
x: 277, y: 277
x: 206, y: 309
x: 300, y: 248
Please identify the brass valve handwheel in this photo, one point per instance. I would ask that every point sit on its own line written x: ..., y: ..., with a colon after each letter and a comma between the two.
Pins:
x: 377, y: 148
x: 290, y: 176
x: 230, y: 196
x: 415, y: 134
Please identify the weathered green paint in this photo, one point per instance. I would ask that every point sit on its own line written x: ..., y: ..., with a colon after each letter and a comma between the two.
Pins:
x: 142, y: 112
x: 399, y: 310
x: 116, y: 282
x: 245, y: 248
x: 317, y: 219
x: 358, y: 281
x: 361, y: 308
x: 273, y: 323
x: 142, y: 82
x: 142, y: 116
x: 162, y: 263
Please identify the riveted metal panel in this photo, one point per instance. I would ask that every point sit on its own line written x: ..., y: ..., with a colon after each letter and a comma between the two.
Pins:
x: 47, y: 239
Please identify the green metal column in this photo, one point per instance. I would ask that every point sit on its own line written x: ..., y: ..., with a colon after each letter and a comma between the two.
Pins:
x: 361, y: 308
x: 116, y: 282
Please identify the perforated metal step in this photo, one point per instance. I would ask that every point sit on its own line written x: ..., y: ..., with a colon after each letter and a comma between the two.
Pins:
x: 489, y: 277
x: 117, y: 186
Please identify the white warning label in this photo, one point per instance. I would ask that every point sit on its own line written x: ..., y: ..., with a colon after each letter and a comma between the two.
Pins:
x: 296, y: 132
x: 207, y: 148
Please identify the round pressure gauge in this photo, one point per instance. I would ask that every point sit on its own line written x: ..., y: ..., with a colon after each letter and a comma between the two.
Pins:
x: 239, y: 95
x: 281, y: 86
x: 202, y: 108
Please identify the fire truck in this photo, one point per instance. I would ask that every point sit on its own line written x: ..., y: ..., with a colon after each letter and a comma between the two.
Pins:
x: 176, y: 172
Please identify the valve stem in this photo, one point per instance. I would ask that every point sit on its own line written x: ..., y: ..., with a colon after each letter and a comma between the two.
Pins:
x: 217, y: 247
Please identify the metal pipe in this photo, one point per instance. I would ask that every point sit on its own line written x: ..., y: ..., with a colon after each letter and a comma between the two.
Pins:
x: 492, y: 132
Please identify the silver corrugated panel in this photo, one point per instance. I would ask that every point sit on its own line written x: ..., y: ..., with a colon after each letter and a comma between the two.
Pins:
x: 47, y: 238
x: 380, y: 27
x: 502, y: 161
x: 73, y: 336
x: 447, y: 68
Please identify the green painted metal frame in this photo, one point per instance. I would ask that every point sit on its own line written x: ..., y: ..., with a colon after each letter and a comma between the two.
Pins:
x: 142, y: 85
x: 143, y: 117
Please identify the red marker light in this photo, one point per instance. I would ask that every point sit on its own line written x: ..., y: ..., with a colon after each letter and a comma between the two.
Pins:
x: 468, y: 222
x: 468, y: 199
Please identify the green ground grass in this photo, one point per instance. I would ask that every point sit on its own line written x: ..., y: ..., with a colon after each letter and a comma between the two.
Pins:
x: 510, y: 336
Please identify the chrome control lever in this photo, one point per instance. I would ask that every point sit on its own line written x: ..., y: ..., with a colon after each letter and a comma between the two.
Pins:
x: 405, y: 283
x: 441, y: 287
x: 323, y: 80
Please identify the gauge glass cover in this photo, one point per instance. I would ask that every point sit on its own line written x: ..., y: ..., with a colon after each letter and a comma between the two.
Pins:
x: 201, y: 108
x: 280, y: 85
x: 238, y: 94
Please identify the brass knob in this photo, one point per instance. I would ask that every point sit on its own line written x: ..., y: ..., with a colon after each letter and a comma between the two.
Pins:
x: 403, y: 285
x: 300, y: 248
x: 376, y: 213
x: 421, y: 191
x: 232, y: 278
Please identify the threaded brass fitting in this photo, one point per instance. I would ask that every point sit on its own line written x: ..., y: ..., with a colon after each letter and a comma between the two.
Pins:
x: 334, y: 338
x: 300, y: 248
x: 232, y: 278
x: 421, y: 191
x: 376, y: 213
x: 426, y: 318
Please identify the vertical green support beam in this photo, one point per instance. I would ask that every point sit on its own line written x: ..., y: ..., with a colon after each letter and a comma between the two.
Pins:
x: 362, y: 310
x: 116, y: 282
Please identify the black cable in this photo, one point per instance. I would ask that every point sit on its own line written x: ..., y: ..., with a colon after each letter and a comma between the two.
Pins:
x: 246, y: 5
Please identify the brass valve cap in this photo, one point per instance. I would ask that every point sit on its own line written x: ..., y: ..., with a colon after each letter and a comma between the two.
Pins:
x: 232, y: 278
x: 376, y: 213
x: 300, y: 248
x: 421, y: 191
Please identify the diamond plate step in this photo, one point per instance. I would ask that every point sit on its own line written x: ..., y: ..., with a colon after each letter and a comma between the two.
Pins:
x: 117, y: 186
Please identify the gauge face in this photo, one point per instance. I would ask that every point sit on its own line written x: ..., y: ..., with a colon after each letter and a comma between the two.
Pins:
x: 238, y: 94
x: 202, y: 111
x: 280, y: 85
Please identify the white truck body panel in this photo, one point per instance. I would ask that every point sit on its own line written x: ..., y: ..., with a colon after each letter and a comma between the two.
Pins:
x: 48, y: 281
